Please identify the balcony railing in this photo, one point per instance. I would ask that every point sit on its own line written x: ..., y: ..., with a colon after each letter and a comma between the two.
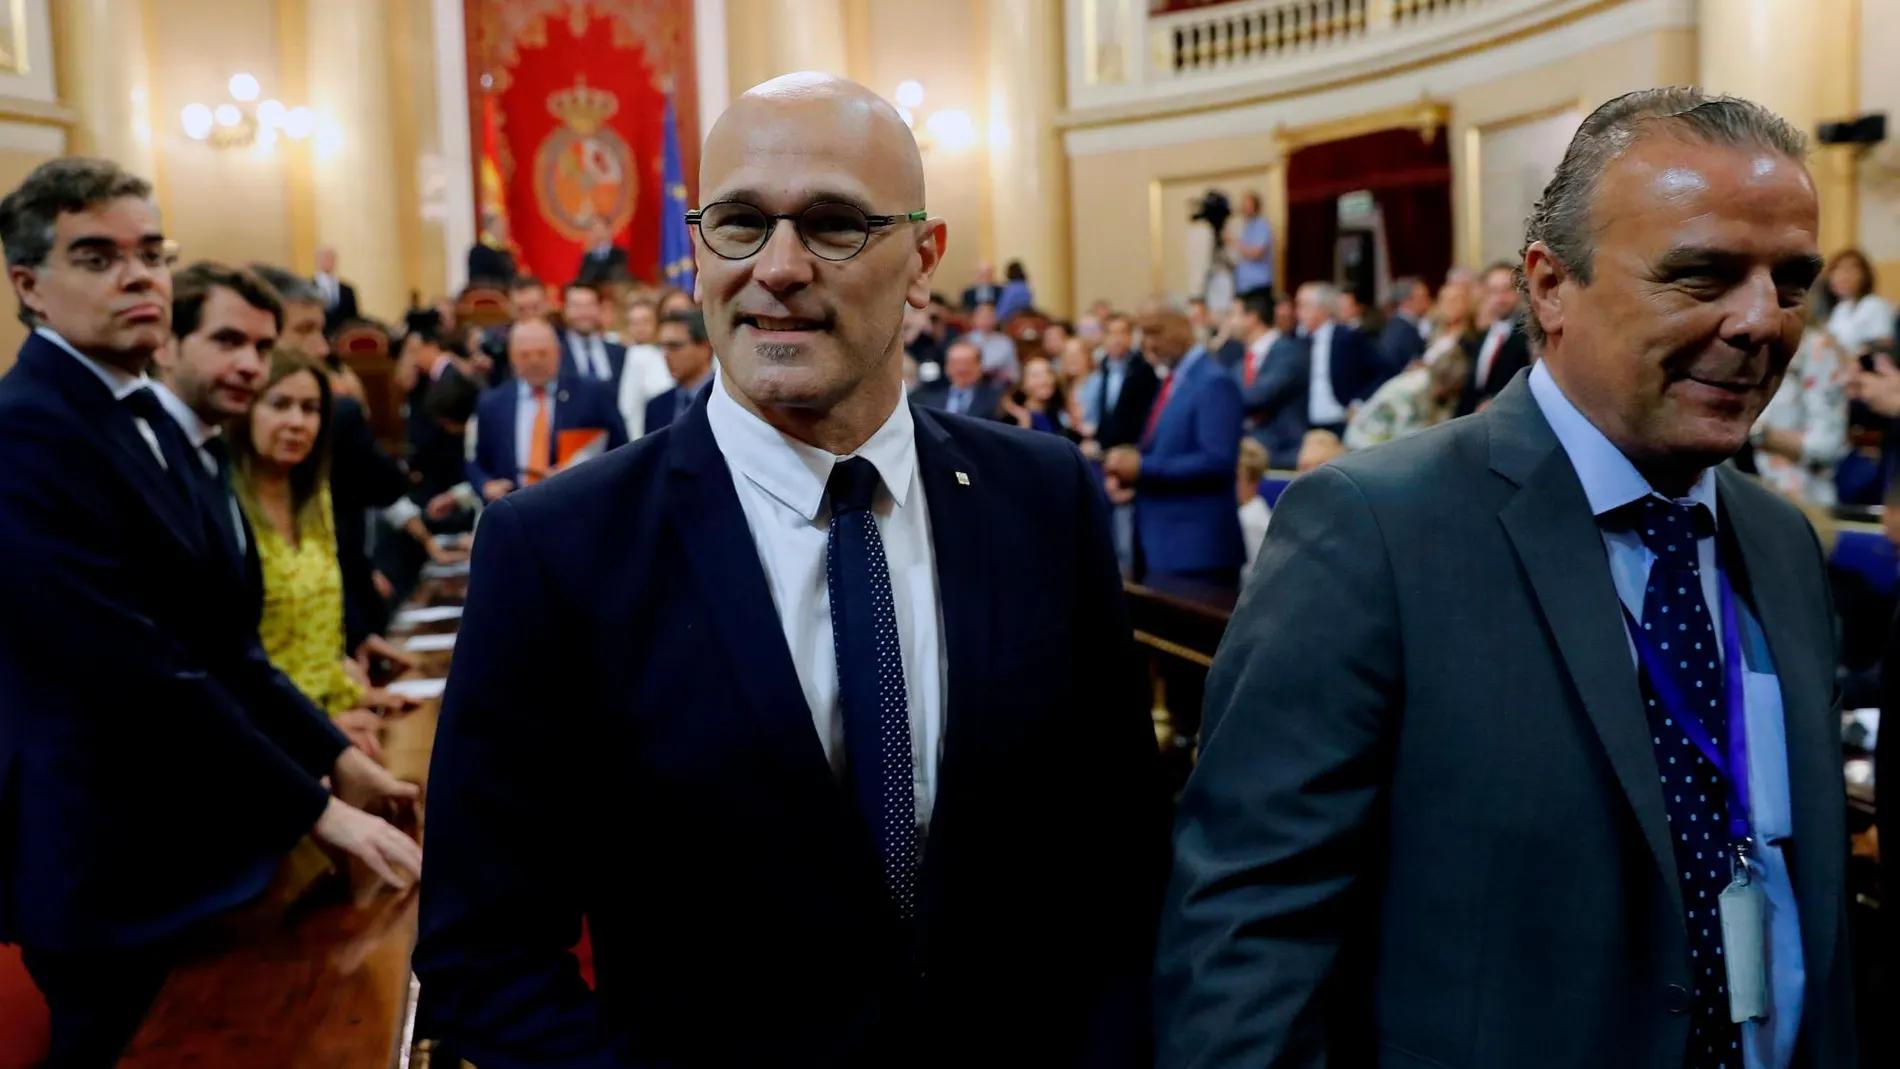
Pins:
x: 1125, y: 60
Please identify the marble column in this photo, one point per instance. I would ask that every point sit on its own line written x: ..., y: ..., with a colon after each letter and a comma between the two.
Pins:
x: 105, y: 72
x: 1028, y: 169
x: 1800, y: 58
x: 353, y: 159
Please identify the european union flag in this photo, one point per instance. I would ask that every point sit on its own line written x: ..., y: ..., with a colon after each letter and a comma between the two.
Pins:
x: 676, y: 241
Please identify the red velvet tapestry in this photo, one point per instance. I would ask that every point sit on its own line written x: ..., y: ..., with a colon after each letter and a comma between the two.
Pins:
x: 1409, y: 177
x: 567, y: 102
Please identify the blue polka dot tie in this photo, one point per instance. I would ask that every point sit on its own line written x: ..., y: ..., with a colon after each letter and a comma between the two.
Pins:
x: 871, y: 677
x: 1678, y: 622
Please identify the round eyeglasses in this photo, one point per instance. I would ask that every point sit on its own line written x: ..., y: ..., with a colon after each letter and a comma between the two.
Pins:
x: 736, y: 231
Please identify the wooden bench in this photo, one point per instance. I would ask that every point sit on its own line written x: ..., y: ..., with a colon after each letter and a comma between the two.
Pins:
x: 320, y: 981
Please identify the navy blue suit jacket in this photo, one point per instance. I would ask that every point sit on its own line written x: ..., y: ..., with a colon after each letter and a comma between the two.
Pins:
x: 130, y: 673
x: 571, y: 365
x: 662, y: 409
x: 625, y: 738
x: 579, y: 404
x: 1186, y: 517
x: 1399, y: 345
x: 1275, y: 406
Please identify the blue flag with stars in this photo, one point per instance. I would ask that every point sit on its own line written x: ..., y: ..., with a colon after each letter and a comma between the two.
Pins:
x: 676, y: 241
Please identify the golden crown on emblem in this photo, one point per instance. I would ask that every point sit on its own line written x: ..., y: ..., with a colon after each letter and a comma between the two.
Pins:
x: 583, y: 107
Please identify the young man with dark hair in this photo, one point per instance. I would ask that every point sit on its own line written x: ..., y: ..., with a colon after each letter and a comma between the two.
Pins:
x: 169, y: 766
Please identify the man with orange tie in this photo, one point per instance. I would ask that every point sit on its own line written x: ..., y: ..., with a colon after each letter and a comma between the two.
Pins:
x: 1181, y: 478
x: 515, y: 438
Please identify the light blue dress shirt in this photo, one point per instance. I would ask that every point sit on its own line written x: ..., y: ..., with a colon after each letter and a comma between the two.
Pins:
x: 1610, y: 481
x: 1257, y: 273
x: 1115, y: 372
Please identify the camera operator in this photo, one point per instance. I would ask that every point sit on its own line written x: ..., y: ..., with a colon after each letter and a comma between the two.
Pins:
x: 1251, y: 249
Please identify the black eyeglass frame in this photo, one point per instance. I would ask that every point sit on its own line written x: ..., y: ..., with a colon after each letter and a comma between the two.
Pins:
x: 872, y: 224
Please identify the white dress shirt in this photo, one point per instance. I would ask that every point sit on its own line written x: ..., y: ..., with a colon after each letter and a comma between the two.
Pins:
x: 1861, y: 322
x: 1322, y: 405
x: 123, y: 384
x: 781, y: 486
x: 590, y: 351
x: 331, y: 289
x: 198, y: 433
x: 642, y: 378
x: 1494, y: 340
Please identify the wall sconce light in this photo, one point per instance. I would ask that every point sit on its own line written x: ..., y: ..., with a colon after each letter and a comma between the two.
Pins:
x: 243, y: 120
x: 952, y: 129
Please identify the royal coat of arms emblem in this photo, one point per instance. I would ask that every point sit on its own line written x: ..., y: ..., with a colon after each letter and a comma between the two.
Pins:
x: 584, y: 169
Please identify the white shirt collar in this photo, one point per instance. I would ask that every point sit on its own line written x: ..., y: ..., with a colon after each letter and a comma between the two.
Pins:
x: 1609, y: 480
x: 1264, y: 342
x: 795, y: 473
x: 195, y: 429
x: 122, y: 383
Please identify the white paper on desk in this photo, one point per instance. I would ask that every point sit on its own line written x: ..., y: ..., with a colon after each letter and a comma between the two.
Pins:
x: 419, y: 689
x: 433, y: 570
x: 432, y: 614
x: 429, y: 643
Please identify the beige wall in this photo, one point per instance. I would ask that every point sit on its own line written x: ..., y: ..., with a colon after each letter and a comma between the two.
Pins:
x: 938, y: 43
x: 1880, y: 169
x: 15, y: 165
x: 1126, y: 205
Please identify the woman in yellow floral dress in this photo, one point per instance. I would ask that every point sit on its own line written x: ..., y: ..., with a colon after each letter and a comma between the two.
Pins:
x: 280, y: 460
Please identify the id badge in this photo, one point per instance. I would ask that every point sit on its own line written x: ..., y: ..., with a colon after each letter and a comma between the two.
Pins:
x: 1744, y: 909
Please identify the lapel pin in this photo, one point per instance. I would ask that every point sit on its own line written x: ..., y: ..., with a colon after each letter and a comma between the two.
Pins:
x: 962, y: 479
x: 561, y: 397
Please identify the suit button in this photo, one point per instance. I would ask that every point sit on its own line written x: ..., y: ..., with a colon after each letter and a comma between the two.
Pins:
x: 1676, y: 999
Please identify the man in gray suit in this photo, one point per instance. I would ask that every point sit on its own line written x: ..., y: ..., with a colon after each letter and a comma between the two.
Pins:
x: 1459, y: 802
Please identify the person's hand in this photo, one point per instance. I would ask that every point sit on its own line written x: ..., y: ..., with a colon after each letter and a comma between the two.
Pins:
x: 376, y: 646
x: 379, y: 700
x: 1119, y: 494
x: 1124, y: 463
x: 441, y: 554
x: 358, y: 674
x: 481, y: 365
x: 364, y: 730
x: 372, y: 788
x: 1091, y: 449
x: 496, y: 489
x: 384, y: 588
x: 1018, y: 413
x: 372, y: 840
x: 1879, y: 388
x: 443, y: 505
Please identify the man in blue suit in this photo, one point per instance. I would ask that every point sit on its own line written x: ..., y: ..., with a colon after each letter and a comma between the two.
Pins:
x: 1407, y: 332
x: 514, y: 439
x: 1314, y: 384
x: 690, y: 360
x: 849, y: 681
x: 154, y: 767
x: 585, y: 351
x: 1181, y: 478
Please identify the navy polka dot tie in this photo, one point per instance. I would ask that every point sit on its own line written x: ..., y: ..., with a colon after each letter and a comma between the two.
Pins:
x: 871, y: 677
x: 1678, y: 623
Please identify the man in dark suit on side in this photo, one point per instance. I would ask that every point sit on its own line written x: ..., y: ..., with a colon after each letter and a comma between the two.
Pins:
x: 515, y: 438
x: 689, y: 358
x: 866, y: 633
x: 1405, y: 335
x: 604, y: 261
x: 1181, y: 477
x: 1126, y: 386
x: 489, y: 261
x: 154, y: 767
x: 339, y: 297
x: 1458, y: 804
x: 962, y: 390
x: 1310, y: 381
x: 586, y: 352
x: 1501, y: 348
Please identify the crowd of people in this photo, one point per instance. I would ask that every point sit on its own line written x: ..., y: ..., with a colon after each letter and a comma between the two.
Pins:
x: 809, y: 600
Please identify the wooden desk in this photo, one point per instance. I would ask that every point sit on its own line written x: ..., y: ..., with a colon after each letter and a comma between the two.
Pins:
x: 319, y: 983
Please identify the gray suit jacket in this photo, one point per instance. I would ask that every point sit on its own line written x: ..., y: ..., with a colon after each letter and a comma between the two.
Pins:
x: 1426, y: 828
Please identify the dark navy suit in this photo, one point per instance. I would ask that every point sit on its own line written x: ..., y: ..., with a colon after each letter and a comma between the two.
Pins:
x: 661, y: 410
x: 579, y: 404
x: 625, y: 738
x: 571, y: 360
x: 132, y: 686
x: 1400, y: 344
x: 1186, y: 519
x: 1275, y: 405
